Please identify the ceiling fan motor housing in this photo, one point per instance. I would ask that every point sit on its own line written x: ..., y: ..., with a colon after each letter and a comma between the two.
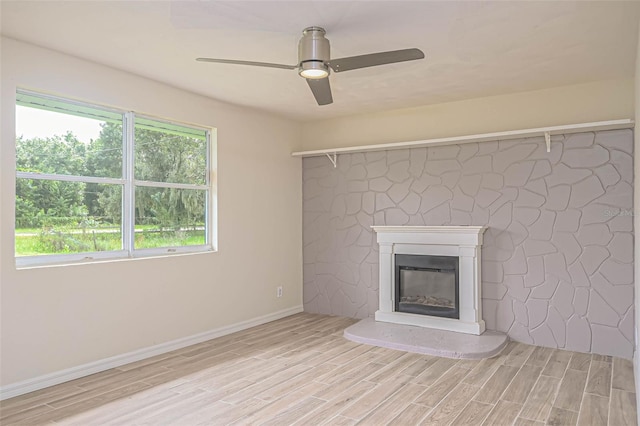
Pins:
x: 313, y: 49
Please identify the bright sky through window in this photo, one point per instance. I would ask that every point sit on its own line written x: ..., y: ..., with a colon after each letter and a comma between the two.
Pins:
x: 38, y: 123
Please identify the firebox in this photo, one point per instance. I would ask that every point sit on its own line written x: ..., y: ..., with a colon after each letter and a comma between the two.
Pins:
x: 427, y: 285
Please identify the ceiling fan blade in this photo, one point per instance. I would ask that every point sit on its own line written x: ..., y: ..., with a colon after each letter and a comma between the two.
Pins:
x: 256, y: 64
x: 374, y: 59
x: 321, y: 90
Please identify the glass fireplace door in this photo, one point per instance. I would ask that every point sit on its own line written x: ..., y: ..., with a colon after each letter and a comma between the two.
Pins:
x: 427, y: 285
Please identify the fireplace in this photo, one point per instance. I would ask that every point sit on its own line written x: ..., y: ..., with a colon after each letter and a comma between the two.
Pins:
x: 427, y: 285
x: 430, y: 277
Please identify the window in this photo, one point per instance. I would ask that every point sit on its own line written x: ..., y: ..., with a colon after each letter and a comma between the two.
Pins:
x: 93, y: 182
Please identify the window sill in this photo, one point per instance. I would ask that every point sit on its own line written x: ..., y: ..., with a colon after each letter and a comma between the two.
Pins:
x: 49, y: 261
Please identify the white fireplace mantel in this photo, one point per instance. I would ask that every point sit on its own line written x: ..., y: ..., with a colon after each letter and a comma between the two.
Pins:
x: 463, y: 242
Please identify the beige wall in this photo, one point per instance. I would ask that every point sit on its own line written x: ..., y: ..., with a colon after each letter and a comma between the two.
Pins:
x: 59, y: 317
x: 598, y: 101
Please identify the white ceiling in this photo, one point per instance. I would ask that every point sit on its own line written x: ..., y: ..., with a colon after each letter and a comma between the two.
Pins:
x: 473, y: 49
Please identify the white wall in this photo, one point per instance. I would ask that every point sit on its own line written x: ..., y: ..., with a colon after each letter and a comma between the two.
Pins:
x: 55, y: 318
x: 582, y: 103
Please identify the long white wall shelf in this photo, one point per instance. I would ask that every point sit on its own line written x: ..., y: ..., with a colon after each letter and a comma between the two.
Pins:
x: 511, y: 134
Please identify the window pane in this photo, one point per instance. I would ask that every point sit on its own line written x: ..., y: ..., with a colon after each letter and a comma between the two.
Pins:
x: 168, y: 153
x: 58, y: 142
x: 61, y: 144
x: 56, y: 217
x: 168, y: 217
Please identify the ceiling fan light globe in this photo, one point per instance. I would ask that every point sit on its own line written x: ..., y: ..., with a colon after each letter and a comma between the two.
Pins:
x: 314, y: 74
x: 314, y: 70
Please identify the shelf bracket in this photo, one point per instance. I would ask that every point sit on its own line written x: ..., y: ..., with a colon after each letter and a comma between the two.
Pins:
x: 547, y: 138
x: 333, y: 158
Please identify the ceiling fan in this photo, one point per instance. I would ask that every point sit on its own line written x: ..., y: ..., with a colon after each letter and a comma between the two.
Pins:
x: 315, y: 63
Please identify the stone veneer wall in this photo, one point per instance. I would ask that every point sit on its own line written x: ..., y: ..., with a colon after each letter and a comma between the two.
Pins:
x: 557, y: 265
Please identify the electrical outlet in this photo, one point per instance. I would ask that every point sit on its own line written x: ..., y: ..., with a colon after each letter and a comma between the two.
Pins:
x: 279, y: 291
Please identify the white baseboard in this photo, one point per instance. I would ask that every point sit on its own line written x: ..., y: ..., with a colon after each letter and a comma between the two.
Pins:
x: 636, y: 374
x: 72, y: 373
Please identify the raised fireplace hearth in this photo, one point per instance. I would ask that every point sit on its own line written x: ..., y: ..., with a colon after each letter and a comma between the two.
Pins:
x: 430, y: 277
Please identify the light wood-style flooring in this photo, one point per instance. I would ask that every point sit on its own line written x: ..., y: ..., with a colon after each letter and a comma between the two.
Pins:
x: 300, y: 370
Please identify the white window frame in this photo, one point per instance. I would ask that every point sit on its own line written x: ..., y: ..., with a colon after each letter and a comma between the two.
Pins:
x: 129, y: 184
